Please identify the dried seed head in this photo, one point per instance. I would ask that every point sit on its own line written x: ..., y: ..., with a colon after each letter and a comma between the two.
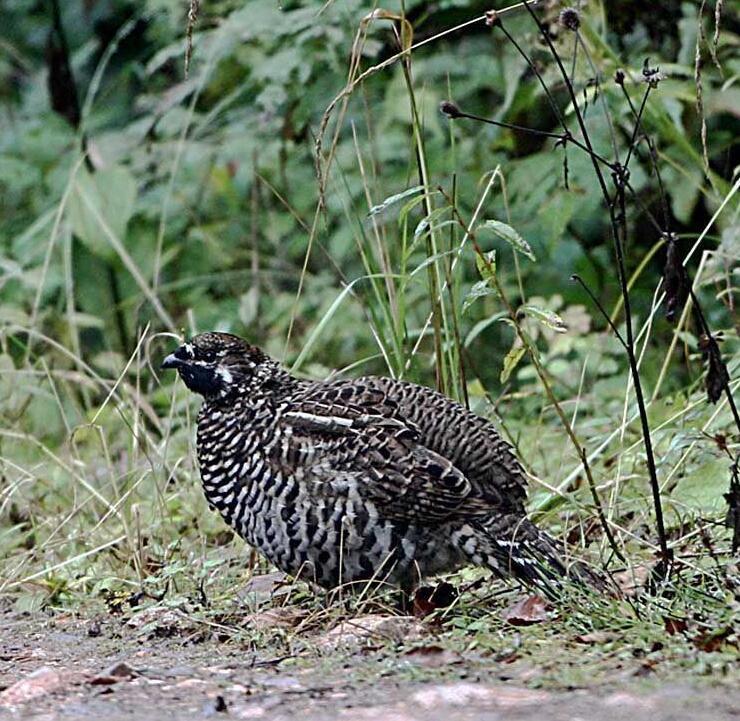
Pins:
x: 492, y: 19
x: 717, y: 375
x: 652, y: 76
x: 619, y: 77
x: 448, y: 108
x: 570, y: 19
x: 675, y: 281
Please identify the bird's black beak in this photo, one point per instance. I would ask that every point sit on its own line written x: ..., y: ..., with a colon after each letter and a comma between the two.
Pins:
x: 171, y: 361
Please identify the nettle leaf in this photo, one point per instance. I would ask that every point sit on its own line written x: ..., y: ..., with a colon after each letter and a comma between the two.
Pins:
x: 486, y: 265
x: 511, y: 361
x: 480, y: 289
x: 105, y: 197
x: 547, y: 317
x: 507, y: 233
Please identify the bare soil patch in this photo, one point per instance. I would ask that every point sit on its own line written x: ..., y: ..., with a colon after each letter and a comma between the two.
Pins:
x: 65, y: 667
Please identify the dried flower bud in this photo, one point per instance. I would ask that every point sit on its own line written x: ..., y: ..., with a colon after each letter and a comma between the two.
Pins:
x: 570, y: 19
x: 619, y: 77
x: 732, y: 519
x: 492, y: 19
x: 675, y: 281
x: 652, y: 76
x: 449, y: 109
x: 717, y: 375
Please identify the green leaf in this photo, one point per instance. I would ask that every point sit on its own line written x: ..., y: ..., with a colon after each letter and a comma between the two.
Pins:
x: 526, y: 339
x: 479, y: 290
x: 701, y: 489
x: 486, y: 265
x: 427, y: 223
x: 507, y: 233
x: 547, y: 317
x: 112, y: 193
x: 394, y: 199
x: 511, y: 361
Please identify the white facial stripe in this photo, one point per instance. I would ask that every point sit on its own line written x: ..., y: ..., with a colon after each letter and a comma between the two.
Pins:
x: 189, y: 350
x: 225, y: 375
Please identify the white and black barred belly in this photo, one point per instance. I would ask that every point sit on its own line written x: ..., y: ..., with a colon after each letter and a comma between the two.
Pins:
x: 324, y: 532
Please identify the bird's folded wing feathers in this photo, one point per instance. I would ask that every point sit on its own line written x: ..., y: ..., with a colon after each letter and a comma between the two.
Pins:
x: 468, y: 441
x: 338, y: 435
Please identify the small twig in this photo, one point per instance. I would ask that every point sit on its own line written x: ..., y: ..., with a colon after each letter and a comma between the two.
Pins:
x: 192, y: 17
x: 713, y: 351
x: 534, y: 69
x: 653, y: 156
x: 577, y: 278
x: 602, y: 97
x: 636, y: 130
x: 451, y: 110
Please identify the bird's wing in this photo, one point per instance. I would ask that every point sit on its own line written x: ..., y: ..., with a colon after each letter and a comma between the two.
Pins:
x: 468, y: 441
x: 347, y: 433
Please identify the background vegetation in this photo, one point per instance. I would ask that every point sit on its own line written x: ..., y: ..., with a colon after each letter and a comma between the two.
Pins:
x: 140, y: 203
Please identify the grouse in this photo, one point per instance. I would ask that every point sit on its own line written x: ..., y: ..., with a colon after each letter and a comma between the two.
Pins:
x: 344, y: 482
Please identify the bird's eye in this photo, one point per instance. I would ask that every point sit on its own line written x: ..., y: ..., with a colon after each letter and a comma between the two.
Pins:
x: 208, y: 356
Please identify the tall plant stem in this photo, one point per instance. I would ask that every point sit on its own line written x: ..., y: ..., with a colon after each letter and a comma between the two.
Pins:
x: 542, y: 374
x: 618, y: 227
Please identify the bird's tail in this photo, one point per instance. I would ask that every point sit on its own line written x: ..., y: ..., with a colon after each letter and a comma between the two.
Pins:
x: 513, y: 546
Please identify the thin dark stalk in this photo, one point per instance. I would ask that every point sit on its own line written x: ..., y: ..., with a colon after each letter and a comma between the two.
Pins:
x: 542, y: 374
x: 644, y: 208
x: 618, y: 224
x: 644, y: 423
x: 533, y: 68
x: 575, y: 59
x: 633, y: 139
x: 653, y: 161
x: 602, y: 98
x: 571, y: 92
x: 577, y: 278
x: 704, y: 326
x: 666, y: 231
x: 564, y: 137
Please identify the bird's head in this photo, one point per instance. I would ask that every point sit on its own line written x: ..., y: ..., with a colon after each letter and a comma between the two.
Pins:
x: 216, y: 365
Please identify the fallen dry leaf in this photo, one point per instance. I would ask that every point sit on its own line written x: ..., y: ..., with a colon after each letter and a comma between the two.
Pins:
x: 264, y: 584
x: 710, y: 641
x: 528, y: 610
x: 428, y: 599
x: 42, y: 681
x: 675, y: 625
x: 596, y: 637
x: 374, y: 627
x: 632, y: 581
x: 432, y: 656
x: 279, y: 617
x: 119, y: 671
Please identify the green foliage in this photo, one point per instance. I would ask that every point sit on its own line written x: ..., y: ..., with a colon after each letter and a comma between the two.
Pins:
x: 181, y: 204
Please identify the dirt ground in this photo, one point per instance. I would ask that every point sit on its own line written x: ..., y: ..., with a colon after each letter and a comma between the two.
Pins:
x: 63, y: 667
